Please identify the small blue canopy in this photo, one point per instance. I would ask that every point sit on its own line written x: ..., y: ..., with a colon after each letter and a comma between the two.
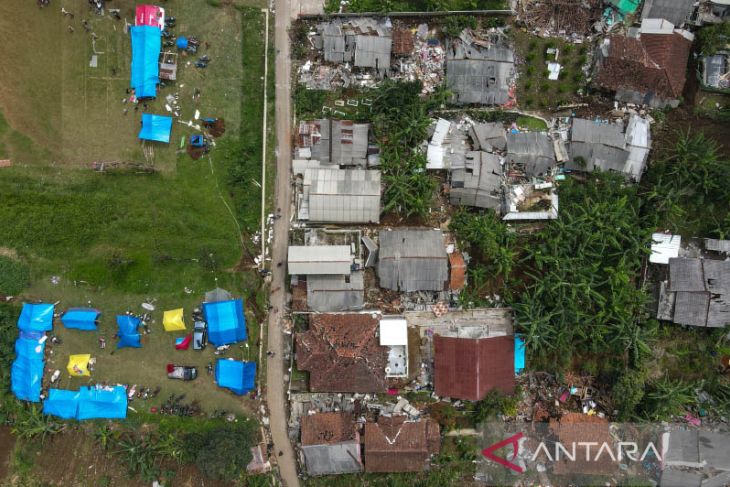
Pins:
x: 519, y: 354
x: 226, y: 322
x: 146, y: 44
x: 156, y: 128
x: 235, y: 375
x: 29, y: 348
x: 80, y: 318
x: 102, y: 403
x: 61, y: 403
x: 25, y: 379
x: 128, y: 334
x: 36, y: 317
x: 182, y: 42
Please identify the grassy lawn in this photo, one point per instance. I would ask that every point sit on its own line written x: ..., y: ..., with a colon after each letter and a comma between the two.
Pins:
x: 129, y: 237
x: 534, y: 89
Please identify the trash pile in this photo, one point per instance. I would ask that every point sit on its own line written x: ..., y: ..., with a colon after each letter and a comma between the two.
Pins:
x: 425, y: 63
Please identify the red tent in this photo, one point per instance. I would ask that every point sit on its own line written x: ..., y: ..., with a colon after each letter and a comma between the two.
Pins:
x: 150, y: 15
x: 184, y: 343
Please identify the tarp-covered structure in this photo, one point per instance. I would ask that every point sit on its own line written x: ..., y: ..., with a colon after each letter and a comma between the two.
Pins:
x: 172, y: 320
x: 26, y: 371
x: 156, y: 128
x: 88, y: 403
x: 226, y: 322
x: 151, y: 15
x: 78, y: 365
x: 128, y: 331
x: 235, y: 375
x: 146, y: 44
x: 81, y: 318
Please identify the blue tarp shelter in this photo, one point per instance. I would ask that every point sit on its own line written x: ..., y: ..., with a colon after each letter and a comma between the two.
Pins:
x: 235, y: 375
x: 156, y: 128
x: 61, y: 403
x: 36, y: 317
x: 29, y: 348
x: 102, y: 403
x: 128, y: 331
x: 80, y: 318
x: 146, y: 44
x: 519, y: 354
x: 226, y: 322
x: 25, y: 378
x: 88, y: 403
x: 182, y: 42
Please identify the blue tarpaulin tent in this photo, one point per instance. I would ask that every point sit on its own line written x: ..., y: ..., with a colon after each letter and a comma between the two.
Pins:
x: 182, y: 42
x: 61, y: 403
x: 519, y: 354
x: 36, y: 317
x: 226, y: 322
x: 156, y: 128
x: 235, y: 375
x: 80, y: 318
x: 29, y: 348
x: 102, y: 402
x: 88, y: 403
x: 25, y: 378
x: 146, y: 44
x: 128, y: 333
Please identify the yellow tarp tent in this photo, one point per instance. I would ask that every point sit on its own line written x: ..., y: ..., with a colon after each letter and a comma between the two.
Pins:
x: 173, y: 320
x: 78, y: 365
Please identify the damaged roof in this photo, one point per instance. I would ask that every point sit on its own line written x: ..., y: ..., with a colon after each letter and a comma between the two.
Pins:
x: 394, y: 444
x: 336, y: 292
x: 479, y: 182
x: 412, y: 260
x: 577, y: 428
x: 468, y: 368
x: 327, y: 428
x: 533, y: 150
x: 342, y: 353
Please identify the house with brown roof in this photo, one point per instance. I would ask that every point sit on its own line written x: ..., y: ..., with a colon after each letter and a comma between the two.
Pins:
x: 646, y: 68
x: 468, y: 364
x: 395, y: 444
x: 342, y: 353
x: 330, y: 444
x: 575, y: 430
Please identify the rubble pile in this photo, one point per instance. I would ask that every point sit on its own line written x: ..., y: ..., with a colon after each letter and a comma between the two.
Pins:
x: 565, y: 18
x: 425, y: 62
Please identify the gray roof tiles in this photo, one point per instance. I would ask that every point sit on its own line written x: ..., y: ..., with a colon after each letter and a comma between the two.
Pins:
x: 479, y: 183
x: 701, y: 290
x: 342, y: 195
x: 534, y: 150
x: 412, y: 260
x: 336, y: 293
x: 675, y: 11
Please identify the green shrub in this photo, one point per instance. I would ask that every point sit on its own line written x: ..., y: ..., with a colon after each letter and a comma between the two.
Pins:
x: 221, y: 453
x: 14, y: 276
x: 528, y: 84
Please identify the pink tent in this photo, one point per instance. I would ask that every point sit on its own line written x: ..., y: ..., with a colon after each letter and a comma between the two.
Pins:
x: 150, y: 15
x: 184, y: 343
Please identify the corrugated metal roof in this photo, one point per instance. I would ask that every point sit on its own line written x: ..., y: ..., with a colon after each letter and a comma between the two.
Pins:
x: 342, y: 195
x: 664, y: 247
x: 690, y: 308
x: 717, y: 245
x: 686, y: 275
x: 349, y: 143
x: 336, y: 292
x: 373, y: 52
x: 534, y: 150
x: 675, y: 11
x: 488, y: 136
x: 412, y: 260
x: 479, y: 183
x: 477, y: 81
x: 319, y: 259
x: 372, y: 248
x: 332, y: 459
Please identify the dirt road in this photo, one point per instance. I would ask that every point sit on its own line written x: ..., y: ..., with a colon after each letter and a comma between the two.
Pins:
x: 275, y: 384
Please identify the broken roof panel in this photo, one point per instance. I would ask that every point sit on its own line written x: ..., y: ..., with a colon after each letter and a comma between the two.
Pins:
x: 336, y: 293
x: 412, y: 260
x: 479, y: 81
x: 488, y: 136
x: 717, y: 245
x: 327, y: 428
x: 479, y: 183
x: 396, y: 445
x: 372, y: 52
x: 319, y: 259
x: 533, y: 150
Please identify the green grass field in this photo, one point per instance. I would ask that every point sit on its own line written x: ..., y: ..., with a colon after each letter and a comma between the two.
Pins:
x: 168, y: 236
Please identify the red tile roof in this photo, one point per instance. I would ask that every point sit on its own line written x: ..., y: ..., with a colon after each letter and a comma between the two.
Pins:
x: 652, y: 63
x: 327, y: 428
x: 342, y: 353
x: 396, y: 445
x: 467, y: 368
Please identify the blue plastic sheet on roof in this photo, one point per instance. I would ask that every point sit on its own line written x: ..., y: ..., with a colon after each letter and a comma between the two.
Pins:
x: 226, y: 322
x: 182, y: 42
x: 235, y: 375
x: 156, y: 128
x: 62, y: 403
x: 519, y: 354
x: 29, y: 348
x: 128, y: 334
x: 36, y: 317
x: 146, y: 44
x: 80, y: 318
x: 102, y: 403
x: 25, y: 378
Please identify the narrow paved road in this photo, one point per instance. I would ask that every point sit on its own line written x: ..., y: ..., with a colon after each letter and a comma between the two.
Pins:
x: 275, y: 385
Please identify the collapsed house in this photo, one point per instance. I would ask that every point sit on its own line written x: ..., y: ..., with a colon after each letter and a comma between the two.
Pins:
x: 342, y: 353
x: 531, y: 152
x: 470, y: 361
x: 647, y: 68
x: 334, y: 142
x: 479, y: 182
x: 396, y: 444
x: 330, y: 444
x: 603, y: 146
x: 566, y: 17
x: 715, y: 71
x: 412, y: 260
x: 697, y: 293
x: 363, y: 41
x: 479, y: 71
x: 333, y: 195
x: 675, y: 11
